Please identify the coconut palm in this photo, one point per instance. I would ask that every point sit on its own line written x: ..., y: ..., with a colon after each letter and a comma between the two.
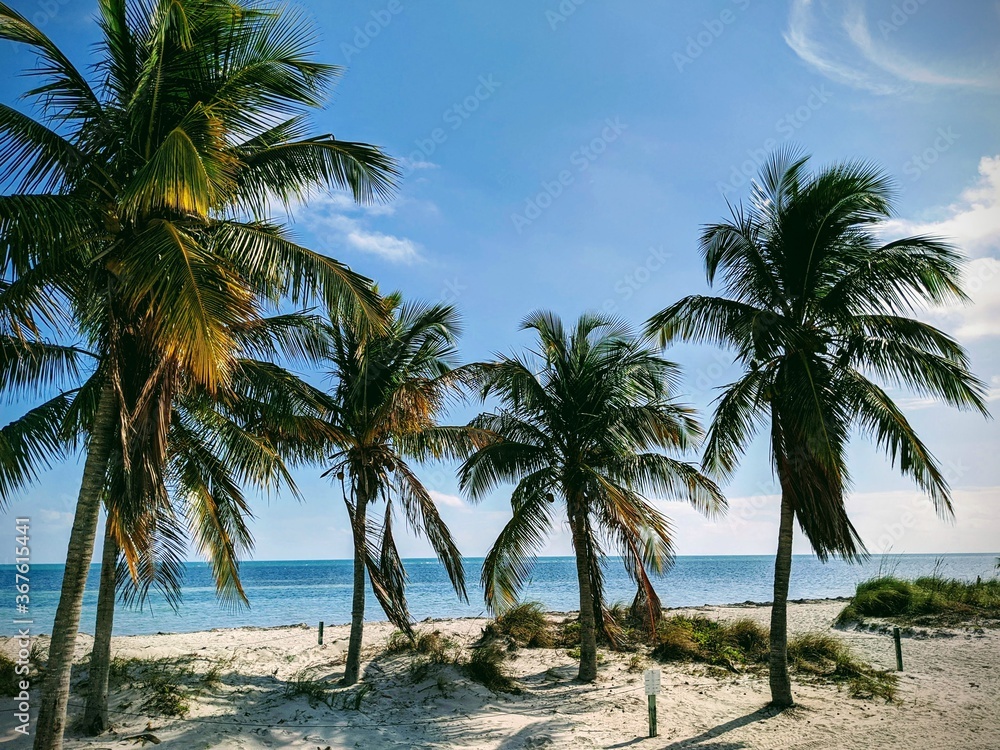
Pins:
x: 142, y: 197
x: 579, y: 422
x: 819, y: 308
x: 265, y: 421
x: 390, y: 391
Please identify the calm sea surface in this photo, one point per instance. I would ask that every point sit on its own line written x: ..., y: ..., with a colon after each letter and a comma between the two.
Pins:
x: 283, y: 593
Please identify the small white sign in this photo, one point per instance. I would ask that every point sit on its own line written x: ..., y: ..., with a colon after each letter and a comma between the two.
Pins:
x: 652, y: 679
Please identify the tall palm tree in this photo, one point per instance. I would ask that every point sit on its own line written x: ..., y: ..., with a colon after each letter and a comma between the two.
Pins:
x: 818, y: 304
x: 265, y: 421
x: 390, y: 391
x: 142, y: 196
x: 580, y: 421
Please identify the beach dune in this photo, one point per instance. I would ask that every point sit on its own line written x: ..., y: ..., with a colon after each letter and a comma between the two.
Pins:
x: 254, y: 688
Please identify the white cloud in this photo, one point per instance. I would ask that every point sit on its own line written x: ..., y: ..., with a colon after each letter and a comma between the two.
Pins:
x: 972, y: 223
x: 450, y: 501
x: 848, y: 54
x: 337, y: 218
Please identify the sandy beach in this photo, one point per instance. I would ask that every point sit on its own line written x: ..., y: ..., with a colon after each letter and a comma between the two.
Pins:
x: 948, y: 695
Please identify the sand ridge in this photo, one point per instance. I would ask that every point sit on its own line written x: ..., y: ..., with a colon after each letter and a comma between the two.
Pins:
x: 948, y: 696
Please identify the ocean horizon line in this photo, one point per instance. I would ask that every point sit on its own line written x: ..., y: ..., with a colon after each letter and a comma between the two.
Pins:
x: 808, y: 555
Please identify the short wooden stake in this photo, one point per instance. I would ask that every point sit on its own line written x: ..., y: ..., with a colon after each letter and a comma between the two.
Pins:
x: 899, y: 649
x: 652, y: 715
x: 320, y: 632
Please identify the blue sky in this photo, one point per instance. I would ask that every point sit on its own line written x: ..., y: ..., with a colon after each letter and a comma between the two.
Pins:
x: 564, y: 156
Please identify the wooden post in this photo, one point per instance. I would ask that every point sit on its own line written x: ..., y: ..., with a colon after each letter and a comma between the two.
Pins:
x: 652, y: 715
x: 320, y: 632
x: 651, y: 679
x: 899, y: 649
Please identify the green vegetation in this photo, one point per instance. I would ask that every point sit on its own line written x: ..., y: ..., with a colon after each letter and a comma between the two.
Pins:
x: 732, y: 645
x: 8, y: 677
x: 486, y: 666
x: 928, y: 601
x: 526, y: 625
x: 825, y: 657
x: 305, y: 685
x: 743, y: 645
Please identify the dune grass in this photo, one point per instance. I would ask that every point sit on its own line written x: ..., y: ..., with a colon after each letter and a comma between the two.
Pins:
x: 732, y: 645
x: 526, y: 625
x: 486, y: 666
x: 743, y: 645
x: 930, y: 601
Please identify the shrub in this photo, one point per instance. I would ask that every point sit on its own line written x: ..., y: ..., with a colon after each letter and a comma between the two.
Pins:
x: 724, y: 644
x: 526, y: 625
x: 486, y: 666
x: 929, y: 600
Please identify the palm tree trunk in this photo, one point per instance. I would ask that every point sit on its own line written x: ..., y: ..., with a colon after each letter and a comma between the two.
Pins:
x: 781, y: 686
x: 95, y: 715
x: 588, y: 627
x: 55, y: 688
x: 353, y: 668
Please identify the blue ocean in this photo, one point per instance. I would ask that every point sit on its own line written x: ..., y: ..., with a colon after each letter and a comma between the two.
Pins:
x: 307, y: 591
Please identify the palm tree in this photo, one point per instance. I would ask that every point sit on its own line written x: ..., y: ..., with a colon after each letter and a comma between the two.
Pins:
x: 390, y: 391
x: 265, y: 421
x: 818, y: 304
x: 580, y: 421
x: 143, y: 199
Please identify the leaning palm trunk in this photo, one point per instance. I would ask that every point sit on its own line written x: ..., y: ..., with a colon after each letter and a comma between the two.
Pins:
x: 55, y: 689
x: 353, y: 669
x: 95, y: 715
x: 588, y: 625
x: 781, y: 687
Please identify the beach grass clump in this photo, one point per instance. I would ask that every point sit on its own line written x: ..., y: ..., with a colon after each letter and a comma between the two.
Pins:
x: 487, y: 666
x: 732, y: 645
x: 824, y: 656
x: 306, y: 685
x: 165, y: 693
x: 429, y: 643
x: 526, y: 625
x: 928, y: 600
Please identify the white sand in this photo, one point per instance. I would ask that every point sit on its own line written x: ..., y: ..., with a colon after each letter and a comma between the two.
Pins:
x: 949, y: 697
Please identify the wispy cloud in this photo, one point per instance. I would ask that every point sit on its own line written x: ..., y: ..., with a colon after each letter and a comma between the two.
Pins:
x: 450, y: 501
x: 336, y: 218
x: 836, y: 40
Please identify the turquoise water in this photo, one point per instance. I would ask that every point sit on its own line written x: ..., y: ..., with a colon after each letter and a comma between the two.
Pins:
x: 283, y: 593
